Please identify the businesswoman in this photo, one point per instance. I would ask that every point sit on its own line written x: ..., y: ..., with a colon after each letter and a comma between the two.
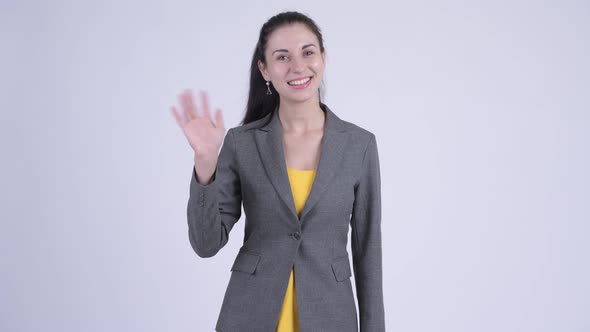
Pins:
x: 304, y: 177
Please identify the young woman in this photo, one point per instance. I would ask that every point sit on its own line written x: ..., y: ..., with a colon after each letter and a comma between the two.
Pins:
x: 304, y: 176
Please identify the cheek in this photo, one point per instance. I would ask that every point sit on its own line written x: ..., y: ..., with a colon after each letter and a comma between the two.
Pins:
x: 276, y: 71
x: 317, y: 66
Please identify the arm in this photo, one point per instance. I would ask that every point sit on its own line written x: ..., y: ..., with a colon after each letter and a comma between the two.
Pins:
x: 366, y: 243
x: 215, y: 207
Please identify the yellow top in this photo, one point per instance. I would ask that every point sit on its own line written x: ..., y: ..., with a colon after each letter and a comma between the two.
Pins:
x: 301, y: 181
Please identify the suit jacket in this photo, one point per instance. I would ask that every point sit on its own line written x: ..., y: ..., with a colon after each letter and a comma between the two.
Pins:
x: 251, y: 170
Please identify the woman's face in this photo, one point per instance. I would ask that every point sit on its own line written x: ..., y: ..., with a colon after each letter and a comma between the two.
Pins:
x: 293, y: 56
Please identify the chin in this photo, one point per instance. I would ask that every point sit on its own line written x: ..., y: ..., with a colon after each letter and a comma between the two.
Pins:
x: 302, y: 96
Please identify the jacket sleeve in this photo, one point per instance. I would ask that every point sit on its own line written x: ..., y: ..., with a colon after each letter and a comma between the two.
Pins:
x: 214, y: 208
x: 366, y: 242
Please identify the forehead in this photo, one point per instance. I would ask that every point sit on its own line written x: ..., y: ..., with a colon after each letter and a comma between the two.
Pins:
x: 291, y: 36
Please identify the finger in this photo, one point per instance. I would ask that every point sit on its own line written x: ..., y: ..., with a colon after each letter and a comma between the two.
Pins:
x: 190, y: 97
x: 177, y: 116
x: 205, y: 103
x: 188, y: 105
x: 219, y: 120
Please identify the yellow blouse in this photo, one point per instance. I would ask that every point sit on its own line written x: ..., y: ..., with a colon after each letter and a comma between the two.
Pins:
x: 301, y: 181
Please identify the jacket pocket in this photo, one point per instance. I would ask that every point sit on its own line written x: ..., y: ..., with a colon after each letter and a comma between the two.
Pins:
x: 246, y: 261
x: 341, y: 269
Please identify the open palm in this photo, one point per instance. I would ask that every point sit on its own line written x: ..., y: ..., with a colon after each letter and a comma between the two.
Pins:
x: 204, y: 135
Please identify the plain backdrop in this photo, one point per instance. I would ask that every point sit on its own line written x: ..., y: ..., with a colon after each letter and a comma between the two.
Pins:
x: 481, y: 111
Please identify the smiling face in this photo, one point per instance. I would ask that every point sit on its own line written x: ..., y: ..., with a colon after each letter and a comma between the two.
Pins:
x: 294, y: 63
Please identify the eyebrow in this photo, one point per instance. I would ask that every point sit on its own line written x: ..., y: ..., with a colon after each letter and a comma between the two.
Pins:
x: 285, y: 50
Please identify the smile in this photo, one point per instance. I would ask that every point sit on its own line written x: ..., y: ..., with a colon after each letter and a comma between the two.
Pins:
x: 301, y: 84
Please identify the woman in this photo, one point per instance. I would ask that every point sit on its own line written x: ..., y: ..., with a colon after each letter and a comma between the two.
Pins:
x: 303, y: 176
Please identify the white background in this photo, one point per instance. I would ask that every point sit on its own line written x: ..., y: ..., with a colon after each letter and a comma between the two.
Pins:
x: 481, y: 111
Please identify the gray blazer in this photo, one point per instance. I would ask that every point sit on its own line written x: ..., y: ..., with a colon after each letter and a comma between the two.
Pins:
x: 251, y: 169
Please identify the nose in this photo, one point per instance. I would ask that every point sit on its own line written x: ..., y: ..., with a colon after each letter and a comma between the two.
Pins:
x: 297, y: 65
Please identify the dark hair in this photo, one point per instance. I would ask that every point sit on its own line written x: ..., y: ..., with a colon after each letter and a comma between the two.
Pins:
x: 259, y: 103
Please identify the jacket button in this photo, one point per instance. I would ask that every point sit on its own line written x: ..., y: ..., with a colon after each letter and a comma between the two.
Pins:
x: 297, y: 235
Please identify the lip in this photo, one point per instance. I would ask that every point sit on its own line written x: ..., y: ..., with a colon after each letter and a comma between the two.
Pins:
x: 299, y: 87
x: 300, y: 78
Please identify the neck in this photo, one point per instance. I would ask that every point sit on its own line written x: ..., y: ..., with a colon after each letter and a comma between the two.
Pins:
x: 301, y: 117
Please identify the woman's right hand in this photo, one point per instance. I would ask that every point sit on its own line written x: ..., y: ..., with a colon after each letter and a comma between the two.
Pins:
x: 204, y: 135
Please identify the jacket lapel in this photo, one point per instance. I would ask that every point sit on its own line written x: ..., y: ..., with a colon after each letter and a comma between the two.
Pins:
x: 270, y: 145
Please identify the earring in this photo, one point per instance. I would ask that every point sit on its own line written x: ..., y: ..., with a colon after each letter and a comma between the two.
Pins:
x: 268, y: 92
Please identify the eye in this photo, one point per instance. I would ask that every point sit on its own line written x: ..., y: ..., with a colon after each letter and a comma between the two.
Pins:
x: 309, y: 52
x: 280, y: 57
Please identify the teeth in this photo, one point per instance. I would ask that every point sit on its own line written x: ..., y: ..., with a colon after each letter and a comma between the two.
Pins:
x: 300, y: 82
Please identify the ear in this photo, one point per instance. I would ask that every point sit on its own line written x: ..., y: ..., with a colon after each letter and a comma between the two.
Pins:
x: 324, y: 56
x: 263, y: 71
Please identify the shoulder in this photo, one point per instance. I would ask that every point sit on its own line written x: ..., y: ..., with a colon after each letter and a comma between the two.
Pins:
x: 358, y: 131
x: 359, y: 135
x: 355, y: 131
x: 241, y: 129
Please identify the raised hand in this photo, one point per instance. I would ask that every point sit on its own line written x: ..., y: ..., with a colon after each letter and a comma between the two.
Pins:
x: 204, y: 135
